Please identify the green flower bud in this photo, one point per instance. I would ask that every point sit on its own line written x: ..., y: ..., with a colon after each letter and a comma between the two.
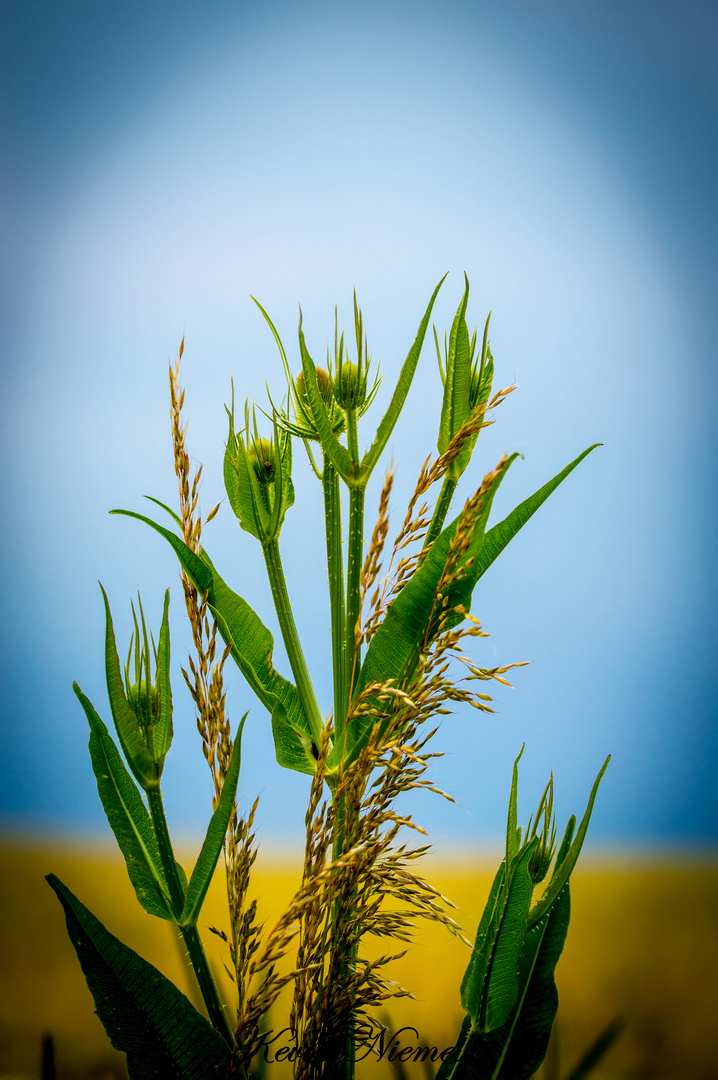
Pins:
x: 263, y: 459
x: 324, y: 386
x: 544, y: 826
x: 350, y: 386
x: 144, y: 701
x: 480, y: 388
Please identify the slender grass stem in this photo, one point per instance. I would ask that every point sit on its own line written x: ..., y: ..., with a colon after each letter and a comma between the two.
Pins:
x: 290, y: 638
x: 335, y: 565
x: 355, y: 545
x: 440, y: 510
x: 190, y: 934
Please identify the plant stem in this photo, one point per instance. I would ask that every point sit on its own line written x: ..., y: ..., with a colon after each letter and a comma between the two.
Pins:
x: 440, y: 510
x: 290, y: 638
x: 190, y: 934
x: 333, y: 523
x: 354, y: 565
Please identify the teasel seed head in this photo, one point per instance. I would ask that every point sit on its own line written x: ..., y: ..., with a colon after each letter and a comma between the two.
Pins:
x: 350, y: 385
x: 263, y: 459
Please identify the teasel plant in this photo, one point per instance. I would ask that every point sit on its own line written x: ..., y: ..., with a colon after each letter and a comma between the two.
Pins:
x: 403, y: 641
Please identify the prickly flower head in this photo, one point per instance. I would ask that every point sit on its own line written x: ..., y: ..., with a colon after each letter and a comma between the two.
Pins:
x: 324, y: 386
x: 262, y: 457
x: 350, y: 385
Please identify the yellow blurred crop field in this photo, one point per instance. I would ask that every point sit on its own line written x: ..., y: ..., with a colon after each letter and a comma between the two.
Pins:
x: 643, y: 944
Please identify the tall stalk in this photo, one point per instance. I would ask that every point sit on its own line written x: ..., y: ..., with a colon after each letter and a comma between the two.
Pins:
x: 290, y: 637
x: 333, y: 525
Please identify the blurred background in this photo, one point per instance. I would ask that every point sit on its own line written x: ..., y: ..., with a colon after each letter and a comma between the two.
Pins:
x: 160, y: 163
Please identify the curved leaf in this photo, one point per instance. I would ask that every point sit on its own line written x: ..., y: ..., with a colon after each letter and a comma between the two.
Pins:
x: 144, y: 1014
x: 241, y: 628
x: 128, y: 817
x: 401, y: 390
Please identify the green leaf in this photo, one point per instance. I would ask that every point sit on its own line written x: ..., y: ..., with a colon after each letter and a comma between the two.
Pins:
x: 500, y: 535
x: 292, y: 744
x: 128, y: 818
x: 241, y: 628
x: 162, y: 728
x: 512, y: 835
x: 403, y: 385
x: 472, y: 982
x: 339, y: 456
x: 242, y: 487
x: 501, y: 985
x: 515, y: 1050
x: 563, y: 872
x: 455, y: 404
x: 212, y: 847
x: 144, y: 1014
x: 127, y: 725
x: 529, y: 1030
x: 394, y: 648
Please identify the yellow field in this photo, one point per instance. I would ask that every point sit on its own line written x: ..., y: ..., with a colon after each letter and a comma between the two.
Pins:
x: 643, y: 943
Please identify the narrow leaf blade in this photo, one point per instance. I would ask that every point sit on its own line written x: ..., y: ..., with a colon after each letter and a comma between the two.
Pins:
x: 564, y: 871
x: 501, y: 534
x: 127, y: 816
x: 401, y: 390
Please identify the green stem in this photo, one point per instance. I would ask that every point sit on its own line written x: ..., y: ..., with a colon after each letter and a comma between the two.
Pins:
x: 352, y: 655
x: 333, y: 523
x: 355, y: 546
x: 440, y: 510
x: 290, y: 638
x: 190, y: 934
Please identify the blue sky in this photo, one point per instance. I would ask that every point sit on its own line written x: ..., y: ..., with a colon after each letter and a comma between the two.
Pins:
x: 160, y: 165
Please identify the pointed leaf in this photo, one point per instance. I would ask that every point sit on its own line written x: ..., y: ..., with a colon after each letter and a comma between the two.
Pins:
x: 401, y: 390
x: 500, y: 535
x: 127, y: 725
x: 563, y: 872
x: 339, y: 456
x: 241, y: 628
x: 403, y: 630
x: 455, y: 404
x: 162, y: 728
x: 512, y: 840
x: 127, y: 816
x: 212, y: 847
x: 144, y: 1014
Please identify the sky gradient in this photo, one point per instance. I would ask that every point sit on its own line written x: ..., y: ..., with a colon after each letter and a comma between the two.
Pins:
x: 158, y: 166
